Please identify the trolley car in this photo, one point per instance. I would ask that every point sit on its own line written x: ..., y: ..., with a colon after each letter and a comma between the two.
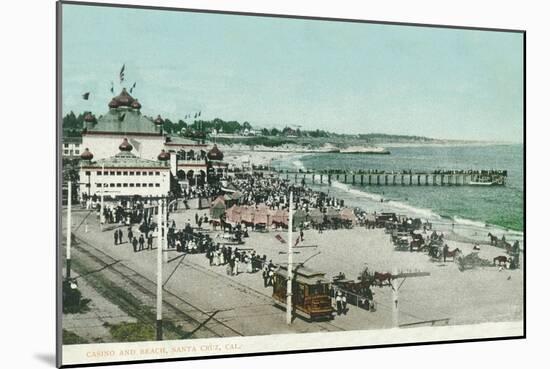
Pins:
x: 310, y: 292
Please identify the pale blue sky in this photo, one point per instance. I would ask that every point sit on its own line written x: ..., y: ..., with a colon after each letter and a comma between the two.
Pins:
x: 346, y: 77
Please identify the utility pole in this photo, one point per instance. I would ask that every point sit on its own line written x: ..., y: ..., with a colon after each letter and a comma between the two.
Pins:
x: 159, y: 272
x: 395, y: 301
x: 289, y: 270
x: 165, y: 238
x: 69, y: 195
x: 101, y: 211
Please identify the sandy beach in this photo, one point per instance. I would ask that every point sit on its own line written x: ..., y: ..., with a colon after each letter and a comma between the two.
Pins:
x: 485, y: 294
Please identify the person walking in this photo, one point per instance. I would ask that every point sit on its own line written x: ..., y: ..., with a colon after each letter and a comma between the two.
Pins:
x: 445, y: 250
x: 141, y: 242
x: 344, y: 304
x: 135, y: 244
x: 120, y: 235
x: 116, y: 237
x: 130, y: 234
x: 150, y: 242
x: 339, y: 303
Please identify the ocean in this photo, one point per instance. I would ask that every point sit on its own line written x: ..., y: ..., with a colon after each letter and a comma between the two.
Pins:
x: 475, y: 210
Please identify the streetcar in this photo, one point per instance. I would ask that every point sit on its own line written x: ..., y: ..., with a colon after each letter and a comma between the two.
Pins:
x: 310, y: 292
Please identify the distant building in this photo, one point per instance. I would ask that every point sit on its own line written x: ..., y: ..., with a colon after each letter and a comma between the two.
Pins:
x: 72, y: 147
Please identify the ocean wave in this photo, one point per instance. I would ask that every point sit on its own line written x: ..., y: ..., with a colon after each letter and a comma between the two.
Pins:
x: 299, y: 165
x: 469, y: 222
x: 396, y: 205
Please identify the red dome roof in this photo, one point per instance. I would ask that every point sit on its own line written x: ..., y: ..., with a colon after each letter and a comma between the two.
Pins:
x: 164, y: 155
x: 113, y: 104
x: 158, y: 120
x: 86, y: 155
x: 125, y: 145
x: 215, y: 154
x: 123, y: 99
x: 89, y: 117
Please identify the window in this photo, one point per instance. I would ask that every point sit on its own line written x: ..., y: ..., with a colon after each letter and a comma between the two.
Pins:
x: 111, y: 185
x: 118, y: 173
x: 70, y: 152
x: 98, y: 184
x: 87, y: 185
x: 131, y: 173
x: 118, y: 184
x: 144, y: 173
x: 151, y: 173
x: 98, y: 173
x: 105, y: 173
x: 150, y: 185
x: 125, y: 185
x: 66, y: 152
x: 157, y: 173
x: 76, y: 152
x: 66, y: 146
x: 157, y: 184
x: 112, y: 173
x: 138, y: 184
x: 87, y: 173
x: 138, y: 173
x: 125, y: 173
x: 131, y: 185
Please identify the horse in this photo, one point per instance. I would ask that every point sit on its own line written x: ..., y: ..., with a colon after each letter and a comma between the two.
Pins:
x: 494, y: 239
x: 453, y: 254
x: 501, y: 260
x: 382, y: 279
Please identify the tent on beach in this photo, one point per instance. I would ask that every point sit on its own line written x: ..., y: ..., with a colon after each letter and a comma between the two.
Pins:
x: 316, y: 216
x: 298, y: 218
x: 279, y: 217
x: 348, y: 214
x: 233, y: 214
x: 261, y: 215
x: 217, y: 209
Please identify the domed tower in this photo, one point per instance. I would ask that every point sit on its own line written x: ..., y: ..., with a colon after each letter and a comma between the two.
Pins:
x: 86, y: 156
x: 164, y: 156
x: 89, y: 120
x: 123, y: 101
x: 125, y: 145
x: 215, y: 154
x: 159, y: 123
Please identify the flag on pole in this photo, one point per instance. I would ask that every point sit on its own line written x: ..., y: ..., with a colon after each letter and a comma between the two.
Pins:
x: 199, y: 113
x: 195, y: 115
x: 132, y: 88
x: 121, y: 75
x: 86, y: 95
x: 112, y: 88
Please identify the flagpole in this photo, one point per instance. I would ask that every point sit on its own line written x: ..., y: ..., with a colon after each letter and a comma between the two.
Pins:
x: 159, y: 271
x: 69, y: 196
x: 289, y: 270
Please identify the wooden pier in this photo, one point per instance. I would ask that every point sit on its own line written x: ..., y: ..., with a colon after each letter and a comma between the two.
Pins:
x: 408, y: 178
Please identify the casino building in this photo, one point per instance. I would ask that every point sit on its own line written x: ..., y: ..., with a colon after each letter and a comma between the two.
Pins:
x: 138, y: 157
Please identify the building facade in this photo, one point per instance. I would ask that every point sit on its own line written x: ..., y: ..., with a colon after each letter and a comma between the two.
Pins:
x: 124, y: 174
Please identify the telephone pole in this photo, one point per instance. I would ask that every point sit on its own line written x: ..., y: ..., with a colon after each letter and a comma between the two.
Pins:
x: 159, y: 271
x: 289, y: 270
x: 69, y: 196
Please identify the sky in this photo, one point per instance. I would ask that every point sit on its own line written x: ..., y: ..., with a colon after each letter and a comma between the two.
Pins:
x: 275, y: 72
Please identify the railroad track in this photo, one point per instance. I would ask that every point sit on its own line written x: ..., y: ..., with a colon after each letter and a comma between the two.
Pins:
x: 189, y: 321
x: 324, y: 326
